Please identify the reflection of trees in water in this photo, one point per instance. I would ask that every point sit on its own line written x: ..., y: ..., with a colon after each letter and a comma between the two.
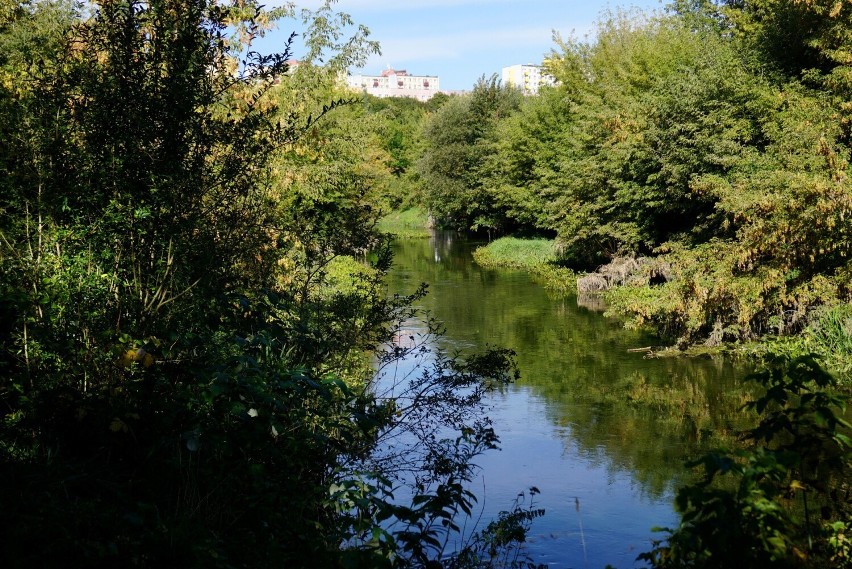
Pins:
x: 648, y: 424
x: 647, y: 415
x: 442, y: 243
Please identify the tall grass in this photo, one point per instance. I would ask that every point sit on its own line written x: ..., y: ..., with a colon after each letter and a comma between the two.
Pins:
x: 832, y: 330
x: 515, y: 253
x: 409, y: 224
x: 829, y: 335
x: 536, y: 256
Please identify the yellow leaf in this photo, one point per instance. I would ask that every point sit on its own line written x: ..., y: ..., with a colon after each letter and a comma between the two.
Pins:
x: 836, y: 9
x: 127, y: 358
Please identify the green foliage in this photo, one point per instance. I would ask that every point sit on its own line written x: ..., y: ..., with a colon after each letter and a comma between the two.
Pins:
x: 839, y: 544
x: 411, y: 223
x: 524, y: 171
x: 714, y: 138
x: 758, y: 507
x: 516, y: 253
x: 399, y: 123
x: 655, y: 103
x: 790, y: 248
x: 663, y: 138
x: 447, y: 163
x: 457, y: 139
x: 190, y: 290
x: 809, y: 39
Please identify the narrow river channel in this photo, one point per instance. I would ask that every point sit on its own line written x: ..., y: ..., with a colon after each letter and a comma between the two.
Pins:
x: 602, y: 432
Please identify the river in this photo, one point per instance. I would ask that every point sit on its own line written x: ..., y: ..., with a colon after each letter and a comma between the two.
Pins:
x: 602, y: 432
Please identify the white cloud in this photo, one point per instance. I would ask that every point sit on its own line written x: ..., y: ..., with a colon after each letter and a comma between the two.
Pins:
x: 399, y: 5
x: 464, y: 45
x: 388, y: 5
x: 458, y: 44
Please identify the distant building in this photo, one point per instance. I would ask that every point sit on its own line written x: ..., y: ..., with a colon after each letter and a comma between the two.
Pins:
x: 527, y: 77
x: 396, y: 83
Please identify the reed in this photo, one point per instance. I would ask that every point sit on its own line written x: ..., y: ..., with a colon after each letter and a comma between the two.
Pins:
x: 512, y: 252
x: 832, y: 330
x: 536, y: 256
x: 827, y: 335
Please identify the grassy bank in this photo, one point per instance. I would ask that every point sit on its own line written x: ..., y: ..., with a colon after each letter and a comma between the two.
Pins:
x: 537, y: 256
x: 516, y: 253
x: 409, y: 224
x: 828, y: 335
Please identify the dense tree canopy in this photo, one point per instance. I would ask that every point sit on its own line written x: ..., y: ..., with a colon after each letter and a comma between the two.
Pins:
x: 191, y: 300
x: 713, y: 138
x: 190, y: 295
x: 452, y: 167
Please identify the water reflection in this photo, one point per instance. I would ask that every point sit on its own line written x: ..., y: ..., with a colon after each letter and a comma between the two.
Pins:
x: 590, y: 423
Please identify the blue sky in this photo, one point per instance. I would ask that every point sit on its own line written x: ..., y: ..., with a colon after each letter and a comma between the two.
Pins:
x: 460, y: 40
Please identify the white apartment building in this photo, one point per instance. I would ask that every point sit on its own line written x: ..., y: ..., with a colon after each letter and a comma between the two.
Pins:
x: 396, y: 83
x: 527, y: 77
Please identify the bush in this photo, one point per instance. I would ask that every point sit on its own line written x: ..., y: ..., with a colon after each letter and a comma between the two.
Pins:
x: 781, y: 503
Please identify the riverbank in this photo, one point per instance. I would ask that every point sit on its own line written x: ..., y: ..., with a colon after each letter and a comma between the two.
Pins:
x: 536, y: 256
x: 411, y: 223
x: 828, y: 332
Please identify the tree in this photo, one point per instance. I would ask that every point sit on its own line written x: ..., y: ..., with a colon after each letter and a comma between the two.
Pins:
x: 178, y: 385
x: 524, y: 173
x: 667, y: 137
x: 618, y: 195
x: 146, y: 332
x: 458, y: 137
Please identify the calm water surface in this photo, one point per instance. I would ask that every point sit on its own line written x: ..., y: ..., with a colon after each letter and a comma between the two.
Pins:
x: 602, y: 432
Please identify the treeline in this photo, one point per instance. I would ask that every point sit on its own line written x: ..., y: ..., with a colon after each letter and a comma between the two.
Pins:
x: 192, y: 305
x: 713, y: 139
x: 702, y: 157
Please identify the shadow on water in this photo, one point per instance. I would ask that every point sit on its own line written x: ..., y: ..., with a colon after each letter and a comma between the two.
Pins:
x: 601, y: 431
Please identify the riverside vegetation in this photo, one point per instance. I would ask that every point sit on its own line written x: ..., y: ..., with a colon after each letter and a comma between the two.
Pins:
x: 192, y: 302
x: 691, y: 138
x: 699, y: 158
x: 191, y: 297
